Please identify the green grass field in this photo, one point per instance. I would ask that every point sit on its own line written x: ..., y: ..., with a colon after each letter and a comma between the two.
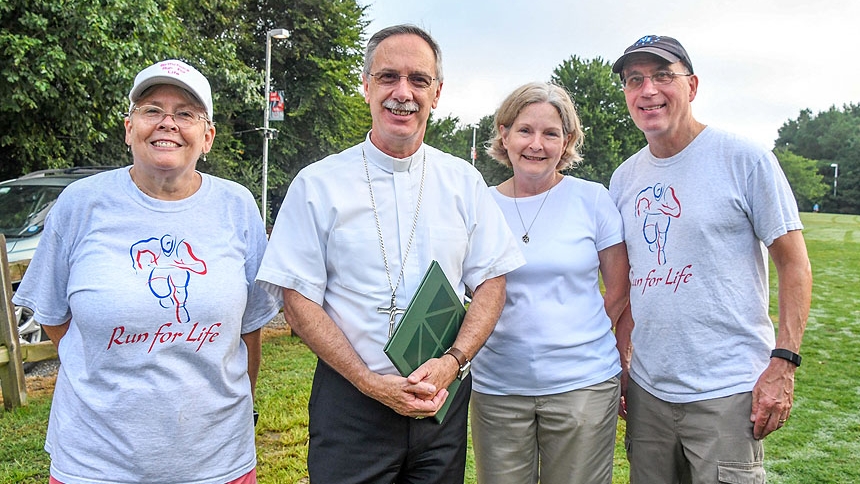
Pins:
x: 820, y: 444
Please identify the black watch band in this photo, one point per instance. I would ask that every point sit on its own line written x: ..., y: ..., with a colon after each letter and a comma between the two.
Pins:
x: 786, y: 355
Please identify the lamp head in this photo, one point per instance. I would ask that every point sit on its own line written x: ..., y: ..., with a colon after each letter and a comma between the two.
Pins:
x: 278, y: 33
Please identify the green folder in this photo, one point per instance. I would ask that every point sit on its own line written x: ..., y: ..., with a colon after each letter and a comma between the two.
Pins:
x: 428, y: 328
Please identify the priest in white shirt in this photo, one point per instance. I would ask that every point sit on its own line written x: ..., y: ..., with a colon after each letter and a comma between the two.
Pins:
x: 351, y: 243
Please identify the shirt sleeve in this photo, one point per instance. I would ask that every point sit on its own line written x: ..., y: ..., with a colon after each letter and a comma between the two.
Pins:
x: 295, y: 255
x: 43, y: 288
x: 492, y: 248
x: 610, y: 229
x: 262, y: 305
x: 772, y: 204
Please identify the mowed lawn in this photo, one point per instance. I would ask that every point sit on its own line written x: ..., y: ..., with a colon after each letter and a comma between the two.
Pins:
x: 820, y: 444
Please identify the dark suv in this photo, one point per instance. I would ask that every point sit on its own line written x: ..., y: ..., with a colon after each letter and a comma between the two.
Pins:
x: 24, y: 204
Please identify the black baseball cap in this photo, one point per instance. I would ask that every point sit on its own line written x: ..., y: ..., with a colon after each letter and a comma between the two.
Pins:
x: 659, y: 45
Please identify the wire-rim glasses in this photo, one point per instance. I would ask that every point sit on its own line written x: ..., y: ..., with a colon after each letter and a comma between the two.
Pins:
x: 388, y: 79
x: 635, y: 81
x: 154, y: 115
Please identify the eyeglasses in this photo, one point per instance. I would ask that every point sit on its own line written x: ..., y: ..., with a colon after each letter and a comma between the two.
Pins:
x: 153, y: 115
x: 660, y: 77
x: 388, y: 79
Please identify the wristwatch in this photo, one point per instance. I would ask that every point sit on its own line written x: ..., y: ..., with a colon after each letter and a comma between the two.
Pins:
x: 465, y: 364
x: 786, y: 355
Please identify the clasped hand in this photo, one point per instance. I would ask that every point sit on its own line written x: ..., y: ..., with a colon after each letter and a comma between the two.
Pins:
x: 419, y: 395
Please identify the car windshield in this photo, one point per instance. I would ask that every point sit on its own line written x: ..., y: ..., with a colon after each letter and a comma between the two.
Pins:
x: 23, y: 208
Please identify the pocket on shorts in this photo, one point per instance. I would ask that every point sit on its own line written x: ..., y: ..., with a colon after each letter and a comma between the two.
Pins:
x: 741, y: 472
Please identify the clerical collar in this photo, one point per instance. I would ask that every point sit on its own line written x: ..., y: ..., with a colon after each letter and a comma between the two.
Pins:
x: 389, y: 163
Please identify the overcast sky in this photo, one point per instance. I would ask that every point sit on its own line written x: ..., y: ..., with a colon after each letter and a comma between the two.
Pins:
x: 759, y: 62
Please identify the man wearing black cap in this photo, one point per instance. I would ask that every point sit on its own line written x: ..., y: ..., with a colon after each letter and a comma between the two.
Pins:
x: 707, y: 378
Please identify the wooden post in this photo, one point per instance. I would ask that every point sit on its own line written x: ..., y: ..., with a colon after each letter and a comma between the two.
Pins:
x: 11, y: 373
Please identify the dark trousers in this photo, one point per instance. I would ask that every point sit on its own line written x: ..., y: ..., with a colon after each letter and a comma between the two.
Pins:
x: 356, y: 439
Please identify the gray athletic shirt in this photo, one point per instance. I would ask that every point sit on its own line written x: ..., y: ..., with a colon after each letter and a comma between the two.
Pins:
x: 697, y: 226
x: 153, y: 385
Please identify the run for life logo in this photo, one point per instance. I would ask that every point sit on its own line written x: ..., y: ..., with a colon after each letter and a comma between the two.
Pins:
x: 656, y: 206
x: 170, y: 266
x: 171, y: 262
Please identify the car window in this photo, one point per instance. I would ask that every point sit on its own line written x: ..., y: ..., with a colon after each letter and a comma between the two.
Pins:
x: 23, y: 208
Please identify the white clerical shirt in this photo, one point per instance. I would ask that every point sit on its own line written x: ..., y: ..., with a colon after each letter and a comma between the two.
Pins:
x: 325, y: 243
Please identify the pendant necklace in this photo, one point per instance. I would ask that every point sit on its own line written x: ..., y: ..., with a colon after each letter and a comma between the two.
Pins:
x: 526, y: 231
x: 393, y: 310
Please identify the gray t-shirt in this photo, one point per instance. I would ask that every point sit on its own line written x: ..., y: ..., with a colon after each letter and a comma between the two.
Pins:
x: 697, y: 226
x: 153, y: 385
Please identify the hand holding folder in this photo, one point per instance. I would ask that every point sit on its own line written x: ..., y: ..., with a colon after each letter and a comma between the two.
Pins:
x: 428, y: 328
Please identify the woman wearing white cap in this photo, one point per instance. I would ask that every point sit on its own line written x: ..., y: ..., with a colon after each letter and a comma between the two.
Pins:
x: 144, y: 279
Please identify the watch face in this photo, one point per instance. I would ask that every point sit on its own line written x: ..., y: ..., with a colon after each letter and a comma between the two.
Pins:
x: 464, y: 370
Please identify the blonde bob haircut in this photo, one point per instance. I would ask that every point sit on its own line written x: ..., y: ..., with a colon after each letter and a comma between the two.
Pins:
x: 531, y: 93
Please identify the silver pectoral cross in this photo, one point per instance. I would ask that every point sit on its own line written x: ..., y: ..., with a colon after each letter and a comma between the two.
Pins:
x: 393, y: 311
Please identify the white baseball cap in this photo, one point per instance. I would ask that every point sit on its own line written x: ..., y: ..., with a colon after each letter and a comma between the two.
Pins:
x: 177, y: 73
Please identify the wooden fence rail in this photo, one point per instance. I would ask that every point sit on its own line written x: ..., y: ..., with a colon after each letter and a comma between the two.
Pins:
x: 13, y: 354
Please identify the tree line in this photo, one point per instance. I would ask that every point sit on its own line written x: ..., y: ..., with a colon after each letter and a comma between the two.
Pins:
x: 825, y: 139
x: 66, y: 68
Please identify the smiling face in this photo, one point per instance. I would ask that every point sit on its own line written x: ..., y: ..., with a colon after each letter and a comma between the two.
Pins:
x: 163, y: 146
x: 400, y: 111
x: 662, y: 112
x: 535, y: 142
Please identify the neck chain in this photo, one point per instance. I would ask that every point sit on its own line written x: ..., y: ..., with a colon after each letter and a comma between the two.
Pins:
x: 393, y: 310
x: 527, y: 230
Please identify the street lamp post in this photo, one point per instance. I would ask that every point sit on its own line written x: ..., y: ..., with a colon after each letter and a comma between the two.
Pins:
x: 474, y: 152
x: 267, y: 134
x: 835, y: 176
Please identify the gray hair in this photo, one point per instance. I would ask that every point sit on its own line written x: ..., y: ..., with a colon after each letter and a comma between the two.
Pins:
x: 402, y: 29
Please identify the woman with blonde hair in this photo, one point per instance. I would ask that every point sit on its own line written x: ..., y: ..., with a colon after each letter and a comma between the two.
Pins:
x: 546, y: 385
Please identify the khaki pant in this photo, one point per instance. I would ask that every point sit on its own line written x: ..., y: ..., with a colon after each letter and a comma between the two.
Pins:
x: 568, y: 438
x: 705, y: 442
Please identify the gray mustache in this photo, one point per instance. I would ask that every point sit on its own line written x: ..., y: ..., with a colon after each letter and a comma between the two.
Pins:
x: 407, y: 106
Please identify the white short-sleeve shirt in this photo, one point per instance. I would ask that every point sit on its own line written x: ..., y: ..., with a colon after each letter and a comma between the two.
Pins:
x: 325, y: 243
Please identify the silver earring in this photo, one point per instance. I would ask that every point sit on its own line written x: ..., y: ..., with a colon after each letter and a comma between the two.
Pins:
x: 204, y: 157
